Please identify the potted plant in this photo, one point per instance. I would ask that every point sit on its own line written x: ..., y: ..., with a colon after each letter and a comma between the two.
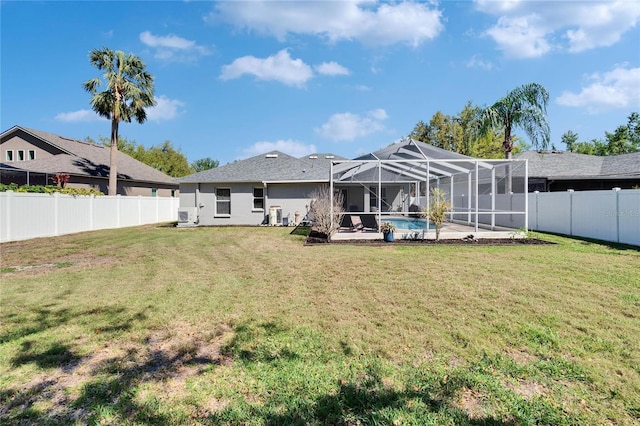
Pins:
x: 387, y: 229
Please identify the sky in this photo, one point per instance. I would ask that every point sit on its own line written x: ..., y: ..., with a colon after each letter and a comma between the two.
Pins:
x: 236, y: 79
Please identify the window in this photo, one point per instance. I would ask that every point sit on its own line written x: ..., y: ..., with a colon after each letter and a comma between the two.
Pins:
x: 154, y: 192
x: 223, y: 201
x: 9, y: 155
x: 32, y: 154
x: 258, y: 198
x: 374, y: 197
x: 21, y: 155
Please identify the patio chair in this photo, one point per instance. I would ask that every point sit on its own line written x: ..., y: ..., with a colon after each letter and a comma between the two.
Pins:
x: 369, y: 222
x: 350, y: 222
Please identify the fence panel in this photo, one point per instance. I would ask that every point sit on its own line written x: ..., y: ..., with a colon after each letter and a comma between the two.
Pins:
x: 603, y: 215
x: 591, y: 214
x: 24, y: 215
x: 628, y: 214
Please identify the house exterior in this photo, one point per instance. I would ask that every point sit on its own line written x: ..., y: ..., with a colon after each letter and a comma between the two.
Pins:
x: 32, y: 157
x: 551, y: 171
x: 276, y: 188
x: 246, y: 192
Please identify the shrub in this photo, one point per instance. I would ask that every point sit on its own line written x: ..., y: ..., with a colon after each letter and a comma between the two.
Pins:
x: 320, y: 209
x: 437, y: 210
x: 48, y: 189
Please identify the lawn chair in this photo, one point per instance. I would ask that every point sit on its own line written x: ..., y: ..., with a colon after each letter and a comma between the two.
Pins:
x: 350, y: 222
x: 369, y: 222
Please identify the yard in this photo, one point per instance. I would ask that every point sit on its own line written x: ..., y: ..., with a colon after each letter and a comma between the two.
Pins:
x: 157, y: 325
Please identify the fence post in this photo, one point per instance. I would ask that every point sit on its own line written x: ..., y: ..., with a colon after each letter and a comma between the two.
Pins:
x: 118, y: 211
x: 56, y: 212
x: 7, y: 214
x: 91, y: 197
x: 570, y: 191
x: 617, y: 214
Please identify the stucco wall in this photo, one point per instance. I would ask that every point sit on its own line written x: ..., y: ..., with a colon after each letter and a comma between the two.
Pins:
x: 291, y: 198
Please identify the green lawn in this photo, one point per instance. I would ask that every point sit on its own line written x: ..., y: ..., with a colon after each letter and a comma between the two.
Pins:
x: 248, y: 326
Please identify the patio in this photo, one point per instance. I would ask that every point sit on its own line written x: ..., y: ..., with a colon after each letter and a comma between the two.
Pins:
x: 488, y: 197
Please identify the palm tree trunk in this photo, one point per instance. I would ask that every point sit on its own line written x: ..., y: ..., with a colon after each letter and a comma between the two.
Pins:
x: 113, y: 160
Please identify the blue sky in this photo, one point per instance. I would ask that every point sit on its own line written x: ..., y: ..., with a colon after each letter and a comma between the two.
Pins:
x: 235, y: 79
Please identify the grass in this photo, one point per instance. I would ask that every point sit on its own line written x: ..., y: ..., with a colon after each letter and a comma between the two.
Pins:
x: 246, y: 326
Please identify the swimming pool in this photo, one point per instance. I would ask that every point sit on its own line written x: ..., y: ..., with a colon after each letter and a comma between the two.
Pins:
x: 410, y: 223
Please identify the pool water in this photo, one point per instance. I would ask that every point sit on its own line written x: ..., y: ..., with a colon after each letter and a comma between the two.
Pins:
x: 410, y: 223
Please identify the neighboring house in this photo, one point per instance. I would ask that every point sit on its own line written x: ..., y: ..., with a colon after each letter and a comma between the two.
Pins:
x: 551, y: 171
x: 244, y: 192
x: 33, y: 157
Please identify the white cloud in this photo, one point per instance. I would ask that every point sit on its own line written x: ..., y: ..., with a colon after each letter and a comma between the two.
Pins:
x: 331, y: 68
x: 288, y: 146
x: 362, y: 88
x: 82, y: 115
x: 477, y: 62
x: 528, y: 29
x: 370, y: 22
x: 520, y: 37
x: 619, y: 88
x: 279, y: 67
x: 347, y: 126
x: 172, y: 47
x: 165, y: 109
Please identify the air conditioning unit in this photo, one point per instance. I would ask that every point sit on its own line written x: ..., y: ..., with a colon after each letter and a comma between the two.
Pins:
x: 187, y: 215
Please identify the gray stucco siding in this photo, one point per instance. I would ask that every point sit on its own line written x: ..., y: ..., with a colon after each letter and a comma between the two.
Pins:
x: 291, y: 197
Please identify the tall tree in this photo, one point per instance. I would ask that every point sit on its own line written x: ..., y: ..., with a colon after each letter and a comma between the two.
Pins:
x: 204, y: 164
x: 129, y: 90
x: 570, y: 139
x: 524, y: 107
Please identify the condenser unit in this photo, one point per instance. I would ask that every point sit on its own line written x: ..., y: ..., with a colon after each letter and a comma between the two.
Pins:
x: 187, y: 215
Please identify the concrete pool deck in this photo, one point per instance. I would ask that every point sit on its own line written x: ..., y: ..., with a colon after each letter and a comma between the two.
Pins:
x: 450, y: 231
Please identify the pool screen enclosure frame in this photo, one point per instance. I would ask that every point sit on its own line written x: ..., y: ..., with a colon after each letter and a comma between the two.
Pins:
x: 488, y: 194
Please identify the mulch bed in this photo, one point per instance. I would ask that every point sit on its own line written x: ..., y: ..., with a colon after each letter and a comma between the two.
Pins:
x: 317, y: 238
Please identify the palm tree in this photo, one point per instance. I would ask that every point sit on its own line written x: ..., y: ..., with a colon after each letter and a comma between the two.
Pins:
x: 129, y: 90
x: 524, y: 107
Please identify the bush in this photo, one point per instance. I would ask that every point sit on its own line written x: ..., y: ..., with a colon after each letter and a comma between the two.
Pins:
x: 437, y: 211
x: 47, y: 189
x: 320, y: 210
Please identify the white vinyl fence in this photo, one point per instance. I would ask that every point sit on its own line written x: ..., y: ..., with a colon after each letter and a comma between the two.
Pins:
x: 604, y: 215
x: 25, y: 215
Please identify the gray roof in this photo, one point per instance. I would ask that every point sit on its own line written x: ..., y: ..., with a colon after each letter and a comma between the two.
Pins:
x: 273, y: 166
x: 567, y: 165
x: 85, y: 159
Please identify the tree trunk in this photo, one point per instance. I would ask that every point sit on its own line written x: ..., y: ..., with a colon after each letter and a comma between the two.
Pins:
x: 113, y: 160
x: 508, y: 147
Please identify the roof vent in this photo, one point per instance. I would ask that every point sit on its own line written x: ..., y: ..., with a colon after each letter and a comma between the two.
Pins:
x: 329, y: 156
x: 272, y: 155
x: 313, y: 157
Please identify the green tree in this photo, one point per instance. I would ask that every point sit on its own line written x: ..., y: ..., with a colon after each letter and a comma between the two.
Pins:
x: 204, y: 164
x: 129, y: 90
x: 468, y: 119
x: 524, y: 107
x: 633, y: 124
x: 168, y: 160
x: 420, y: 132
x: 570, y: 138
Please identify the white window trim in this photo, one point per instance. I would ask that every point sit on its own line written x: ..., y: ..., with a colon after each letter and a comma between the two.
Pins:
x: 23, y: 155
x: 29, y: 154
x: 223, y: 201
x: 6, y: 155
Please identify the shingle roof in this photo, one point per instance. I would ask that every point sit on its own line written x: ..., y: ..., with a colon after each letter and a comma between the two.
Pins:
x: 273, y: 166
x: 86, y: 159
x: 567, y: 165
